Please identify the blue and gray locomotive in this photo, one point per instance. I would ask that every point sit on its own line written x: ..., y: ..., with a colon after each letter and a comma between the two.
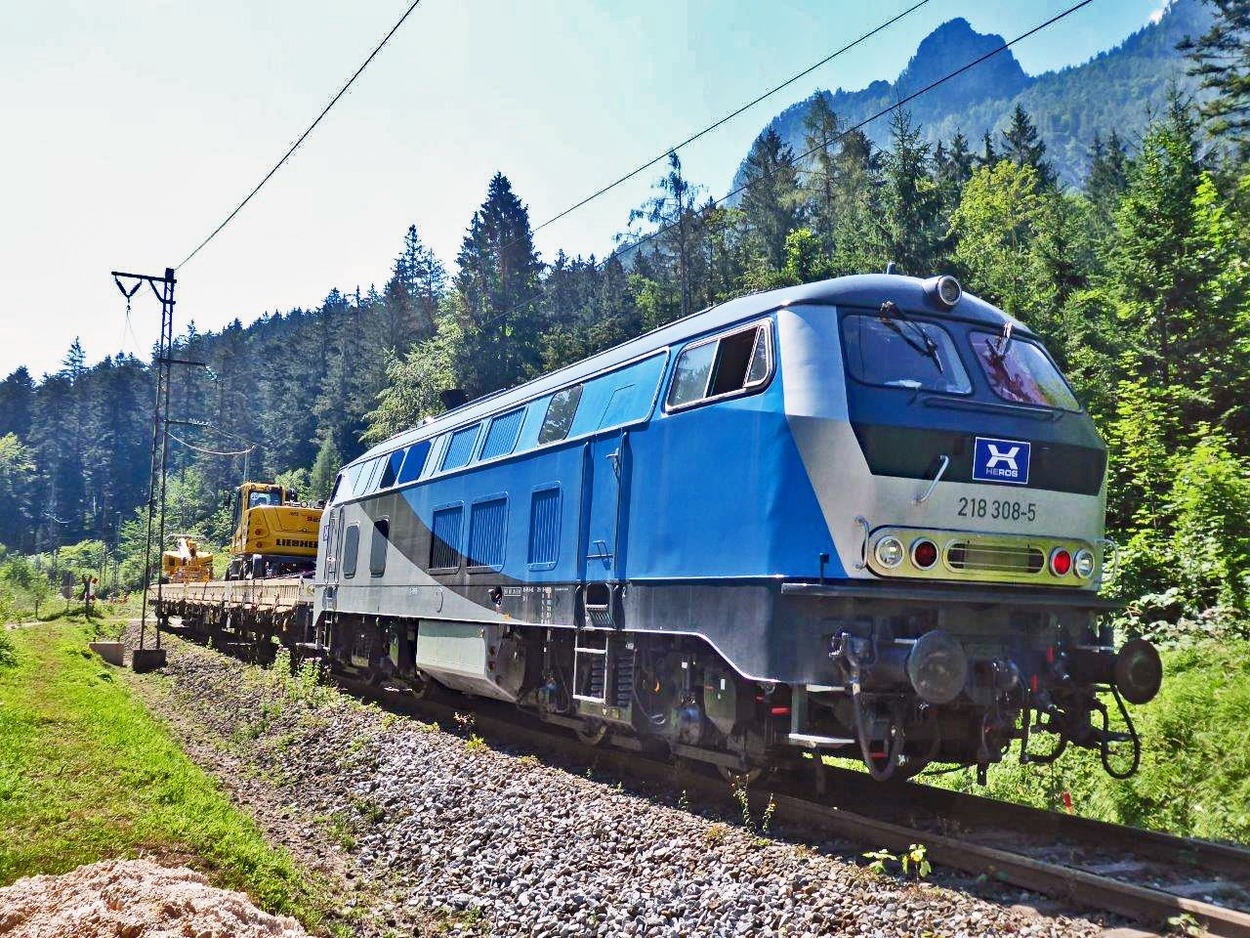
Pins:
x: 862, y: 517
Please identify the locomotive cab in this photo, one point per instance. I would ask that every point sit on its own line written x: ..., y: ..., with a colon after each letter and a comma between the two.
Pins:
x: 965, y: 486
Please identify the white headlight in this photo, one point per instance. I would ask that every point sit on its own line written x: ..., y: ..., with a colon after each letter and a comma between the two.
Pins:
x: 1083, y: 563
x: 890, y: 552
x: 949, y: 291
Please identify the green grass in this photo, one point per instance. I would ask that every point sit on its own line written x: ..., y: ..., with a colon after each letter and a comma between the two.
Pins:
x: 87, y: 774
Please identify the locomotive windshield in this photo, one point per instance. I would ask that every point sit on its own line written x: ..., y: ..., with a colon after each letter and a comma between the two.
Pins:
x: 1019, y: 371
x: 903, y: 353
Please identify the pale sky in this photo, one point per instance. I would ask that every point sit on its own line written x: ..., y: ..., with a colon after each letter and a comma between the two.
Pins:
x: 133, y: 127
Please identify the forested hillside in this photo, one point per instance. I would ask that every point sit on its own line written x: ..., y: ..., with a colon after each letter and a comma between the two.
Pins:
x: 1117, y: 89
x: 1137, y: 280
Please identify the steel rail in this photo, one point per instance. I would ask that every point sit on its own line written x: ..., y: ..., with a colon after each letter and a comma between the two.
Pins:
x: 1206, y: 855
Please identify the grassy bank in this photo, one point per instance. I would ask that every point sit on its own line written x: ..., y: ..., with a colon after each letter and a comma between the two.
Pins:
x: 87, y: 774
x: 1194, y: 778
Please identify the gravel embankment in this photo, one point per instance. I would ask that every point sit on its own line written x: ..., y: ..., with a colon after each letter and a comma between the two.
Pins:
x: 430, y: 831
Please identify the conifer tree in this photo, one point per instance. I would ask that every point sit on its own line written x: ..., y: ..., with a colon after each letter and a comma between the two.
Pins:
x: 859, y: 178
x: 411, y: 297
x: 1024, y: 147
x: 1221, y: 58
x: 75, y: 361
x: 17, y: 398
x: 770, y: 199
x: 672, y: 209
x: 324, y: 469
x: 953, y: 168
x: 1159, y: 268
x: 988, y: 155
x: 820, y: 127
x: 1108, y: 173
x: 498, y: 284
x: 909, y: 228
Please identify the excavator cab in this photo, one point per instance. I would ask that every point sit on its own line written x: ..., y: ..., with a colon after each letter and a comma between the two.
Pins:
x: 274, y: 535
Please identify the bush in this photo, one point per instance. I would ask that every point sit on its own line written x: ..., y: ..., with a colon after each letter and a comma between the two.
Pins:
x: 1187, y: 563
x: 1210, y: 545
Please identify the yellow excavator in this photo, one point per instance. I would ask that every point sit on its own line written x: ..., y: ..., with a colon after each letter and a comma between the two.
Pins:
x: 185, y: 563
x: 274, y: 534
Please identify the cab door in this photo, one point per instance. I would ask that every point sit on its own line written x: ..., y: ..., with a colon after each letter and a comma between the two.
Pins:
x: 605, y: 475
x: 332, y: 544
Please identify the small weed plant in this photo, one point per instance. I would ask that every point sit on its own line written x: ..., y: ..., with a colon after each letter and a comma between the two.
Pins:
x: 476, y: 744
x: 300, y: 683
x: 1185, y: 924
x: 7, y: 656
x: 716, y: 833
x: 370, y: 811
x: 913, y: 862
x: 743, y: 798
x: 766, y: 821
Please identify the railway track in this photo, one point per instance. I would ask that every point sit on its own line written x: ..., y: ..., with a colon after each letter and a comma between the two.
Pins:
x: 1144, y: 876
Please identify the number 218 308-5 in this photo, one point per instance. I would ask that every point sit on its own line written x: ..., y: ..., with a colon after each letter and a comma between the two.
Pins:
x: 997, y: 509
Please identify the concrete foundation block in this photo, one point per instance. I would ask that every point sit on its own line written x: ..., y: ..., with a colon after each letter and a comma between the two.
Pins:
x: 112, y: 652
x: 147, y: 659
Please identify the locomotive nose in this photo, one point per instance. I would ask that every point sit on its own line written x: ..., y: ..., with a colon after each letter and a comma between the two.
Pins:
x: 1138, y: 671
x: 937, y: 667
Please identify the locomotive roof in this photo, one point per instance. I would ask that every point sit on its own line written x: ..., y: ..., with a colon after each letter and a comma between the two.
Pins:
x: 910, y: 294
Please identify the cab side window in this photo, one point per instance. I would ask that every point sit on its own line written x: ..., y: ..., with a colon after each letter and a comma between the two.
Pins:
x: 735, y: 363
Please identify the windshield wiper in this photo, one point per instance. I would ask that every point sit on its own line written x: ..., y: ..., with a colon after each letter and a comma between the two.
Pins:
x: 999, y: 349
x: 892, y: 316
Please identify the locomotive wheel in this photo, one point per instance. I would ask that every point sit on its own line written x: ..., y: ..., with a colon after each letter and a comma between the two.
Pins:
x: 421, y: 687
x: 592, y: 734
x: 738, y: 779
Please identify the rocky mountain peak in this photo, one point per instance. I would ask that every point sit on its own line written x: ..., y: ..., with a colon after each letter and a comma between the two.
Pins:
x: 951, y: 45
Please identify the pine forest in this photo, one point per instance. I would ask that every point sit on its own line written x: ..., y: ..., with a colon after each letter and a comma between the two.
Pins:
x: 1136, y: 275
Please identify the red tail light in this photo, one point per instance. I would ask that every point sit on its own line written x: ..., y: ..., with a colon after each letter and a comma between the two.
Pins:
x: 1060, y: 562
x: 924, y: 553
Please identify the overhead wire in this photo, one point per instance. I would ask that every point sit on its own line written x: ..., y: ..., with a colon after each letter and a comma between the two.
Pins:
x: 302, y: 137
x: 602, y: 191
x: 731, y: 115
x: 868, y: 120
x: 209, y: 452
x: 664, y: 229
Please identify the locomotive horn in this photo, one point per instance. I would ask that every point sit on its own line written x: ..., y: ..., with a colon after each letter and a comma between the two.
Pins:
x: 1138, y: 671
x: 937, y: 667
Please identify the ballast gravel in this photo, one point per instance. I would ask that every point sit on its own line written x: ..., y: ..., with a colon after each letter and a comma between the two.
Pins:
x: 430, y: 832
x: 133, y: 899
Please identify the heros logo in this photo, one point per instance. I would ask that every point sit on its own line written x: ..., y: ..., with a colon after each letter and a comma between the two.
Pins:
x: 1001, y: 461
